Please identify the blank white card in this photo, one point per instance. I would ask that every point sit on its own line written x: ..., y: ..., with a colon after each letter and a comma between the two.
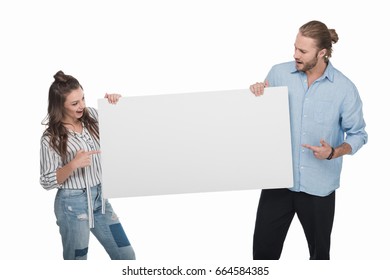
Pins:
x: 195, y: 142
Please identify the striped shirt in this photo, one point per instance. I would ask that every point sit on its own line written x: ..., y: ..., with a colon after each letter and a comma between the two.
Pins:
x: 51, y: 161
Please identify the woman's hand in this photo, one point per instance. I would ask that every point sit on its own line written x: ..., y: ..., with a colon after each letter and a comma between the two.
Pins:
x: 83, y: 158
x: 112, y: 98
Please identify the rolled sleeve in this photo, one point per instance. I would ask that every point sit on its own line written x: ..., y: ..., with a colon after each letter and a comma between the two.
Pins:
x: 353, y: 122
x: 49, y: 163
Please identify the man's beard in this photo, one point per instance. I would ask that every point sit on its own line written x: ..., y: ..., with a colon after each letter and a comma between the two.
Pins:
x: 308, y: 65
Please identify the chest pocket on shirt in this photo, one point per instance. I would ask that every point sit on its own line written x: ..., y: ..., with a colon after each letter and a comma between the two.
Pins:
x: 323, y: 112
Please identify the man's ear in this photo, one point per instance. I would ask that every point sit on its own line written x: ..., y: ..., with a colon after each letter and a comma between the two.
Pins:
x: 322, y: 53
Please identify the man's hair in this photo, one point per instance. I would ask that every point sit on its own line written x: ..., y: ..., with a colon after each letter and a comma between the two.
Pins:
x: 323, y: 36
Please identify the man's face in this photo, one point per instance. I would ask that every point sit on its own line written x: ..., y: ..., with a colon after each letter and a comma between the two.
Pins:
x: 306, y: 53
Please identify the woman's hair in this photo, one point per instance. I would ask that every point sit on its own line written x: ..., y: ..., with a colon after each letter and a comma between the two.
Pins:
x: 323, y: 36
x: 57, y: 132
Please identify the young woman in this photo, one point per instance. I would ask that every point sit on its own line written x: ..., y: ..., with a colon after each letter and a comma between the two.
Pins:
x: 70, y: 163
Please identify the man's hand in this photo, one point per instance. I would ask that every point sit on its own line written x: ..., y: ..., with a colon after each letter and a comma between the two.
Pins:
x: 258, y: 88
x: 320, y: 152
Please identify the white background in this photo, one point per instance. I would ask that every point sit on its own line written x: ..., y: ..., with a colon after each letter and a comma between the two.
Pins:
x: 152, y: 47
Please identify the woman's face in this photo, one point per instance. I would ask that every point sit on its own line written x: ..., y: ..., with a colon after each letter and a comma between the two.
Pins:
x: 74, y: 106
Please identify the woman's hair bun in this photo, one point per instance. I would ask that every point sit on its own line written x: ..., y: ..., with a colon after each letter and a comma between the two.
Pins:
x: 60, y: 77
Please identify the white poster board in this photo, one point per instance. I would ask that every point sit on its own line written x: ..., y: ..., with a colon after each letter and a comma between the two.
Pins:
x: 195, y: 142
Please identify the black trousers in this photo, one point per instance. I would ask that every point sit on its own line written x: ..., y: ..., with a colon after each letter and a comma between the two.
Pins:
x: 275, y: 213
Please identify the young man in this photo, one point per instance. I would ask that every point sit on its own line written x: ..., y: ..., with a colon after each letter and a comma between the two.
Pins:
x: 326, y: 124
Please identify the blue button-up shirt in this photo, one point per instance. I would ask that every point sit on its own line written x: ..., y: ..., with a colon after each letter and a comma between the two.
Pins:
x: 329, y: 109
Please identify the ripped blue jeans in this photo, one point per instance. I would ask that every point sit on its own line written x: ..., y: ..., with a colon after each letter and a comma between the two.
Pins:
x: 71, y: 210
